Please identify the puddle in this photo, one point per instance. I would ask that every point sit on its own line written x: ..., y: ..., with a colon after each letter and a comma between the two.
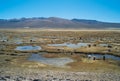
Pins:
x: 28, y: 48
x: 2, y: 47
x: 59, y: 62
x: 100, y: 56
x: 18, y: 41
x: 70, y: 45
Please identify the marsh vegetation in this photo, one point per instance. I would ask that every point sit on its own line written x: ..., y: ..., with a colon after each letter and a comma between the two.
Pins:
x: 77, y: 51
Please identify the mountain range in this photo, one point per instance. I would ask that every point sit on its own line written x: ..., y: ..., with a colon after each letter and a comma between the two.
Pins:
x: 55, y: 22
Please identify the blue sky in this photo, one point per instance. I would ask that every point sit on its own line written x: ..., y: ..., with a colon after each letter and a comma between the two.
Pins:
x: 102, y: 10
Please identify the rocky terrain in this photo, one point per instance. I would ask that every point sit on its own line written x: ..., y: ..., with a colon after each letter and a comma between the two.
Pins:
x: 50, y: 75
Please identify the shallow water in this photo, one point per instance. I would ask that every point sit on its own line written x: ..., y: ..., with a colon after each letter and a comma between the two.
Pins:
x: 18, y: 40
x: 28, y: 48
x: 70, y: 45
x: 100, y: 56
x: 50, y: 61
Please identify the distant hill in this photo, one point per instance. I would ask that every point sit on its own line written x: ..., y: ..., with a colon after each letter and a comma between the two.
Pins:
x: 54, y: 22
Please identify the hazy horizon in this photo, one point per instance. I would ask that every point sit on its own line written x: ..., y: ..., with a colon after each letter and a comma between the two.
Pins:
x: 101, y: 10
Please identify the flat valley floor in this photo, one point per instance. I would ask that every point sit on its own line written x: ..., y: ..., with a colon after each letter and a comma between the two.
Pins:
x: 59, y: 55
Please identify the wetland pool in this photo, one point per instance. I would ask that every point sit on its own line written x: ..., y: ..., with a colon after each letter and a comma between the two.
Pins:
x: 70, y: 45
x: 107, y: 56
x: 59, y: 62
x: 27, y: 48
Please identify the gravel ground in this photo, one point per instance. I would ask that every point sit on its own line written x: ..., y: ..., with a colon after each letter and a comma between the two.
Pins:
x: 17, y: 74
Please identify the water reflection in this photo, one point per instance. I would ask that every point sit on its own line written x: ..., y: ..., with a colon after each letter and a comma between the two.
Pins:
x: 100, y: 56
x: 28, y: 48
x: 70, y: 45
x: 50, y: 61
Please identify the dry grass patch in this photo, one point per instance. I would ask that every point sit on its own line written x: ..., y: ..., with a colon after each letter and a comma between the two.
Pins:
x: 23, y: 62
x: 92, y: 49
x: 94, y: 66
